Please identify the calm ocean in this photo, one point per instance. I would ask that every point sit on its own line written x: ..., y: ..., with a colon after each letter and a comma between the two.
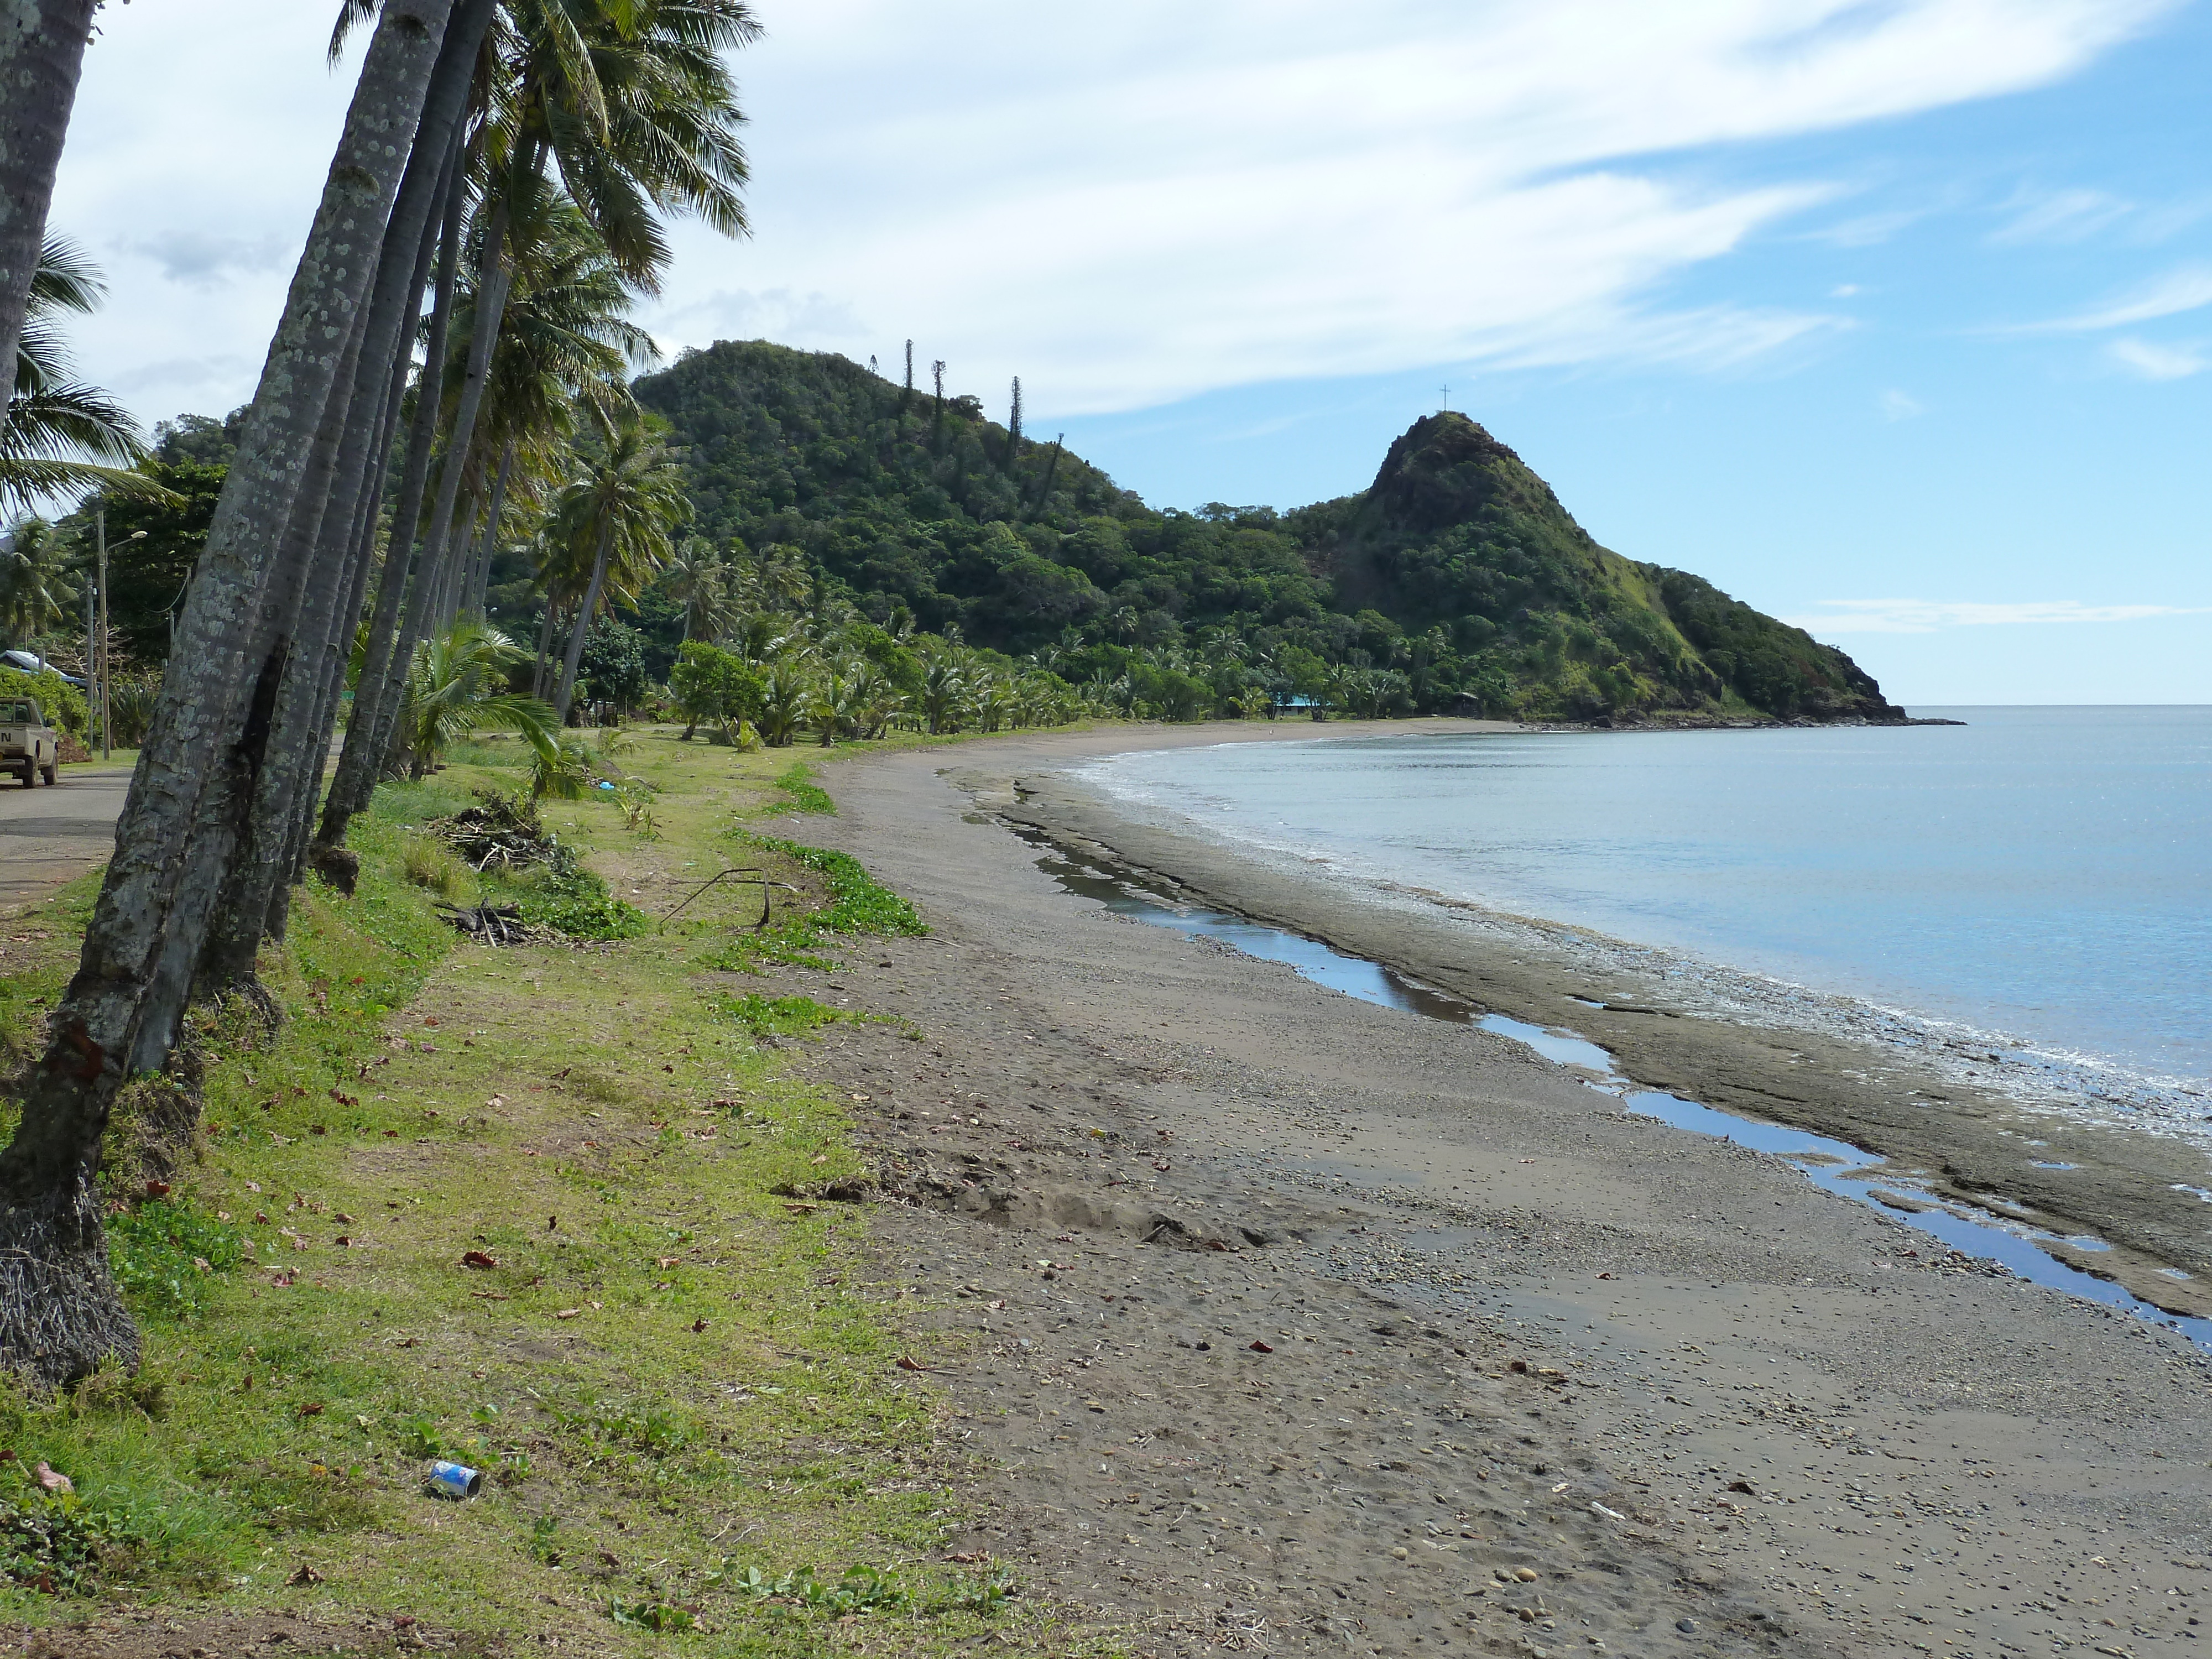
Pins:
x: 2038, y: 881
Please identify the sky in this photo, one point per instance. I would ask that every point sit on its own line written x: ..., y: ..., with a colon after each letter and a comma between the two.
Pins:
x: 1891, y: 317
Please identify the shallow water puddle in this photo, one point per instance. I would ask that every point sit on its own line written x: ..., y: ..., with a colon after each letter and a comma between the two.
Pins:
x: 1835, y: 1166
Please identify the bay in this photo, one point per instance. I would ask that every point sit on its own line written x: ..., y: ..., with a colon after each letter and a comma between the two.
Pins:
x: 2040, y: 875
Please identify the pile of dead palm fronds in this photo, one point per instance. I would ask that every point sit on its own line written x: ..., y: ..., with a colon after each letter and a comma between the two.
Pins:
x: 502, y: 830
x: 490, y: 924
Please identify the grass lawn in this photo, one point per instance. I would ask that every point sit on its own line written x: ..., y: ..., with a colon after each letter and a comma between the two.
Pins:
x: 519, y: 1208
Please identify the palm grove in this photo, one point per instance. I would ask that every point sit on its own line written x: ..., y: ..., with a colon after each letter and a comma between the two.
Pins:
x: 451, y: 367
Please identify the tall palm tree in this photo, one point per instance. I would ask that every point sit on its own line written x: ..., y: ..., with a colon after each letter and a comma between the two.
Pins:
x: 565, y: 344
x: 180, y: 827
x: 698, y: 579
x: 630, y: 103
x: 622, y: 509
x: 41, y: 51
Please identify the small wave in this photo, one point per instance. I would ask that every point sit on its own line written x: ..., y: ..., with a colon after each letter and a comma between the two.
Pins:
x: 2065, y: 1083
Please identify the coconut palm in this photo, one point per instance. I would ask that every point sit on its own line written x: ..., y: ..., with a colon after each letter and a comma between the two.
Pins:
x: 875, y: 702
x: 33, y: 587
x: 785, y: 702
x: 630, y: 103
x: 697, y: 579
x: 945, y: 692
x: 622, y: 509
x: 177, y: 839
x: 565, y: 345
x: 41, y: 49
x: 457, y: 684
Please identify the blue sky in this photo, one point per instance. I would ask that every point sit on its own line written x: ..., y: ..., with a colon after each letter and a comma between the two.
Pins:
x: 1933, y: 445
x: 1894, y: 317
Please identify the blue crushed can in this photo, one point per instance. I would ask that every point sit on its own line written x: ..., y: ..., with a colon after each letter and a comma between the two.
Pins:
x: 455, y: 1480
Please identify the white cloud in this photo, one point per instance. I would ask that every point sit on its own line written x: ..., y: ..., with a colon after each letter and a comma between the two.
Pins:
x: 2154, y: 362
x: 1931, y: 616
x: 1867, y: 229
x: 2061, y: 216
x: 199, y: 259
x: 1129, y: 203
x: 1897, y: 405
x: 2185, y: 288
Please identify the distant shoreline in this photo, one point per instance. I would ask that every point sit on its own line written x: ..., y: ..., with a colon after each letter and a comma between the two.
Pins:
x: 1966, y: 1144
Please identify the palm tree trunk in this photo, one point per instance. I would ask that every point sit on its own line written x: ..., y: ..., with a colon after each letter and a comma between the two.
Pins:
x: 454, y: 561
x: 477, y: 594
x: 357, y: 765
x: 59, y: 1313
x: 493, y: 280
x: 41, y: 51
x: 584, y: 614
x: 537, y: 687
x: 328, y: 602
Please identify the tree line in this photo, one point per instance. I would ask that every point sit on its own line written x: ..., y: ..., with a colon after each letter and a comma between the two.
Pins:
x: 452, y: 356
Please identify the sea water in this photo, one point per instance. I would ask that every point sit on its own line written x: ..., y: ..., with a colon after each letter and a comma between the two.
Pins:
x: 2027, y: 897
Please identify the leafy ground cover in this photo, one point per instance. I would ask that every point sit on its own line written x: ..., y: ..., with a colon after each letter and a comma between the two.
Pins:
x: 517, y: 1208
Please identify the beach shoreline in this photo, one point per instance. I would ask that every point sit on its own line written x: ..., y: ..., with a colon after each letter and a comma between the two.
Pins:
x: 2104, y: 1184
x: 1278, y: 1312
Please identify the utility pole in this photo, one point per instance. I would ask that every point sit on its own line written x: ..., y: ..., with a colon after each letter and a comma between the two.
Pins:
x: 94, y: 658
x: 107, y: 677
x: 91, y: 627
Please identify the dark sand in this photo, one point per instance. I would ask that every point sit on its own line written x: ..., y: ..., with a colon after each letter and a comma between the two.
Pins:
x: 1512, y: 1327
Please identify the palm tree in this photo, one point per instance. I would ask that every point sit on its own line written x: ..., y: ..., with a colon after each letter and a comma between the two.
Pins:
x: 178, y: 835
x: 565, y: 345
x: 457, y: 684
x: 697, y: 580
x: 944, y: 690
x: 56, y: 434
x: 631, y: 103
x: 622, y: 510
x: 785, y: 702
x: 41, y: 50
x: 32, y: 584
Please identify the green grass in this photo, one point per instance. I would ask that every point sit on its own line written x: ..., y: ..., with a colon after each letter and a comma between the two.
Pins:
x: 806, y: 795
x: 683, y: 1391
x: 856, y: 904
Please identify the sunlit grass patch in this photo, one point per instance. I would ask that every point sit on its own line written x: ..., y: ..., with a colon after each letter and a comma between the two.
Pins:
x: 805, y: 794
x: 524, y: 1208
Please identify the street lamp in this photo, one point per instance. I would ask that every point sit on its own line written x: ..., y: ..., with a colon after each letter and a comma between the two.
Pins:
x: 96, y: 655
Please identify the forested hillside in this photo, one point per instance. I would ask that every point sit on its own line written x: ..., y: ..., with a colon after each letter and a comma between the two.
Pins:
x: 1456, y: 582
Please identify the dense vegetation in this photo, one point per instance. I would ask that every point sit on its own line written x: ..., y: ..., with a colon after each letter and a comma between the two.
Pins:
x: 1456, y: 582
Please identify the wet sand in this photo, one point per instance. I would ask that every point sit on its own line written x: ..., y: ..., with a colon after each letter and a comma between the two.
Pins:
x: 1501, y: 1327
x: 2130, y: 1190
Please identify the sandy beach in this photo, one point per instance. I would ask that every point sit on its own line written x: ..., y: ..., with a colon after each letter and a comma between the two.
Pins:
x: 1295, y: 1323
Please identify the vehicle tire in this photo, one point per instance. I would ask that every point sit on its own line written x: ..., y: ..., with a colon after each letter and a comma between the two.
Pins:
x: 30, y: 777
x: 53, y: 772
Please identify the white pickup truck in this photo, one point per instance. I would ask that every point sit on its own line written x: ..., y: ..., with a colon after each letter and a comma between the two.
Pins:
x: 28, y: 746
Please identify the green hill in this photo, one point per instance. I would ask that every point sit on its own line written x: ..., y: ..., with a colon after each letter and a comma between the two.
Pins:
x: 1456, y: 581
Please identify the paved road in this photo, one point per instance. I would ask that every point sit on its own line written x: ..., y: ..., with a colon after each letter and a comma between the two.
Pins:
x: 54, y: 832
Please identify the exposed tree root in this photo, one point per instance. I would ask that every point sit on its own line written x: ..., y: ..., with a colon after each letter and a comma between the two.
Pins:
x: 60, y: 1315
x: 335, y: 865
